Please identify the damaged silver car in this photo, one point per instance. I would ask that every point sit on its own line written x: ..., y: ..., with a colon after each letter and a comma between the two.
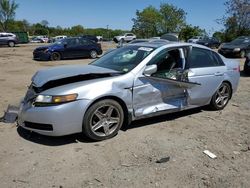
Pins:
x: 129, y: 83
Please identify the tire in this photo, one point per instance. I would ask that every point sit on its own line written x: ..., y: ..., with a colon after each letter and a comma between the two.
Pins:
x: 103, y: 120
x: 11, y: 44
x: 242, y: 53
x: 55, y: 56
x: 93, y: 54
x: 221, y: 97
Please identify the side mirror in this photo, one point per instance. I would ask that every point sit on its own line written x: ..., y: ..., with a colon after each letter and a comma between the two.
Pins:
x: 149, y: 70
x: 65, y: 45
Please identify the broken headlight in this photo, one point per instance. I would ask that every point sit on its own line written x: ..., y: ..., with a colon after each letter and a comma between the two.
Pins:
x: 48, y: 100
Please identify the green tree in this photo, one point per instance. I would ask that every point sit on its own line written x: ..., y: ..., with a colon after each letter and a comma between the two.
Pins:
x: 146, y: 22
x: 189, y: 31
x: 76, y: 30
x: 173, y: 18
x: 153, y: 22
x: 237, y: 19
x: 7, y: 12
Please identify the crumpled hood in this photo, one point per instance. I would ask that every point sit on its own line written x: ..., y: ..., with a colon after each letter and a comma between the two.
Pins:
x: 52, y: 46
x: 43, y: 76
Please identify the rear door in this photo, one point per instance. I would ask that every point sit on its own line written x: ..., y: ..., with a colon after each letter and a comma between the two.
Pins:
x: 164, y: 90
x: 206, y: 68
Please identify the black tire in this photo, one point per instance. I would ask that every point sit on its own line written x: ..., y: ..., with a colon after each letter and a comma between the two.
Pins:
x: 11, y: 44
x: 242, y: 54
x: 93, y: 54
x: 220, y: 99
x: 99, y: 121
x: 55, y: 56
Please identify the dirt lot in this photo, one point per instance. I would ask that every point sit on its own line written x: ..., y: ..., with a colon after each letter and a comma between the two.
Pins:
x: 128, y: 160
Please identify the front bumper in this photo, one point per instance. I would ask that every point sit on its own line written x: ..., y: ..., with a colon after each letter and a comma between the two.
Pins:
x: 64, y: 119
x: 41, y: 56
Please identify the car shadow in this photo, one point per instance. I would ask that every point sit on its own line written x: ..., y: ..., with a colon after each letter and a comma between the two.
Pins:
x: 52, y: 141
x: 162, y: 118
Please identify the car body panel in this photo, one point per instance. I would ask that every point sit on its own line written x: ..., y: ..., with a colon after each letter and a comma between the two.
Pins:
x: 142, y: 95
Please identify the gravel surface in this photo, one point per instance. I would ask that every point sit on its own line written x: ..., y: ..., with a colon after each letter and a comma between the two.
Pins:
x: 165, y: 151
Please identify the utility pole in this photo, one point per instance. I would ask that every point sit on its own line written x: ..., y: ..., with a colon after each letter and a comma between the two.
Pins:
x: 108, y: 32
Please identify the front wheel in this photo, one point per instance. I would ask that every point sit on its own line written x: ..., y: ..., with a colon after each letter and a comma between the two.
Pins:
x: 55, y: 56
x: 221, y: 97
x: 103, y: 120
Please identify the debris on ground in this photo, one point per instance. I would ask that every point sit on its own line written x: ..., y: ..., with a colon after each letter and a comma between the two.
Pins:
x: 210, y: 154
x: 163, y: 160
x: 10, y: 116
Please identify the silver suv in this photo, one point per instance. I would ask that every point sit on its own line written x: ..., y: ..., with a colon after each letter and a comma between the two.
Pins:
x: 8, y: 39
x: 127, y: 37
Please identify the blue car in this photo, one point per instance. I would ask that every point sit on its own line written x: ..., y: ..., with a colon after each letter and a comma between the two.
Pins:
x: 74, y: 47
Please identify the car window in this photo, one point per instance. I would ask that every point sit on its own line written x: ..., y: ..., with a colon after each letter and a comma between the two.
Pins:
x: 169, y: 64
x: 85, y: 42
x: 124, y: 59
x: 71, y: 42
x: 200, y: 58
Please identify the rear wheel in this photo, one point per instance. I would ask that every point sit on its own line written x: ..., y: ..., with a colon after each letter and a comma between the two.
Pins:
x: 55, y: 56
x: 103, y: 120
x: 221, y: 97
x: 93, y: 54
x: 11, y: 44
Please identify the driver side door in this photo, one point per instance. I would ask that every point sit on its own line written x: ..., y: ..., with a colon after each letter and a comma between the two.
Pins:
x: 166, y: 88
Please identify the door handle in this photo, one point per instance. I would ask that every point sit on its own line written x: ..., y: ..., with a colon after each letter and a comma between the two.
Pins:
x: 218, y: 74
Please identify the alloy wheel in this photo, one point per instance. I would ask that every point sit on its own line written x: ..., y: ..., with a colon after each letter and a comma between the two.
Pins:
x: 105, y: 120
x: 222, y: 95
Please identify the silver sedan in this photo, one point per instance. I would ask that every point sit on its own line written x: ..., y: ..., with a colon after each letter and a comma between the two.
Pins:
x: 126, y: 84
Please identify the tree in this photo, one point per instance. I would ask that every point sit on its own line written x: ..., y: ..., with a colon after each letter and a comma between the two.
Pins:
x: 189, y: 31
x: 237, y: 19
x: 173, y: 18
x: 152, y: 22
x: 146, y: 22
x: 7, y: 12
x: 44, y: 23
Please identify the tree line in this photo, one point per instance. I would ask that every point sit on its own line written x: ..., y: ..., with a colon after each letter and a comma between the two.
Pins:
x: 149, y: 22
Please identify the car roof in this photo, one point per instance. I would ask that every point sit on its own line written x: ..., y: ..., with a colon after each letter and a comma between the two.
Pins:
x: 167, y: 44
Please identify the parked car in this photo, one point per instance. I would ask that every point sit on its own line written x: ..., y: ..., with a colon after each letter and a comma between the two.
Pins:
x: 74, y: 47
x: 247, y: 64
x: 127, y: 37
x: 90, y: 37
x: 171, y: 37
x: 36, y: 40
x: 129, y: 83
x: 8, y: 39
x: 210, y: 42
x: 236, y: 48
x: 195, y: 39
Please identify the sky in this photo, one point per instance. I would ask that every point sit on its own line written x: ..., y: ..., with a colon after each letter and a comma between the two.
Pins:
x: 117, y: 14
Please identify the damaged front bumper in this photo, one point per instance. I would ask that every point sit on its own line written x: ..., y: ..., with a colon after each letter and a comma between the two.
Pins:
x: 55, y: 120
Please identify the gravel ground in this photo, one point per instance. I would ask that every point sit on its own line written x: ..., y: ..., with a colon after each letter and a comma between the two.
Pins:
x: 129, y: 159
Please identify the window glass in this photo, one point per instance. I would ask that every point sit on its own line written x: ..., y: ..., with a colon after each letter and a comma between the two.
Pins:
x: 202, y: 58
x: 169, y: 64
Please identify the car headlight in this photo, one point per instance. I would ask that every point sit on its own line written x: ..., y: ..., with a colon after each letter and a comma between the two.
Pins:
x: 44, y: 100
x: 46, y: 50
x: 236, y: 49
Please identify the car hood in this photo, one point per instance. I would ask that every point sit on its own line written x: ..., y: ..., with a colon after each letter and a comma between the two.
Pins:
x: 68, y: 74
x: 48, y: 47
x: 232, y: 46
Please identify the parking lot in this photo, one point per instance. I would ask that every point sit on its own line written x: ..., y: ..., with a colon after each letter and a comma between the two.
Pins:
x: 129, y: 159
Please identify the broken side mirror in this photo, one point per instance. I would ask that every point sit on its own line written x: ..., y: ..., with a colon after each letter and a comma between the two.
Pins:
x: 150, y: 69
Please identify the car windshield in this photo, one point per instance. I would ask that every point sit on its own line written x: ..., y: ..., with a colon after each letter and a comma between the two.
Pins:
x: 240, y: 41
x: 59, y: 41
x: 123, y: 59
